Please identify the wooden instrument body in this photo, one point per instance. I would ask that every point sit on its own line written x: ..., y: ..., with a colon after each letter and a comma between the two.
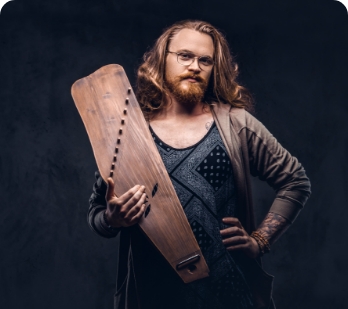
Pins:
x: 124, y: 150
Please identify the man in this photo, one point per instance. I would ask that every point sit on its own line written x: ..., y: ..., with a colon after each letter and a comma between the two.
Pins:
x: 209, y: 144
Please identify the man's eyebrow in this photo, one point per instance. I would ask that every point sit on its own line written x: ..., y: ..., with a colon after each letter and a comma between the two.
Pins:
x: 185, y: 51
x: 191, y: 52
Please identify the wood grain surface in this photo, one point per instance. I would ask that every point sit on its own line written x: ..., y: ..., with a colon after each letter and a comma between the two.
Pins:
x: 124, y: 149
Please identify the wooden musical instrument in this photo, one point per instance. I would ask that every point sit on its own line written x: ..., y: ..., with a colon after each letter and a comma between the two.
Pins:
x: 124, y: 150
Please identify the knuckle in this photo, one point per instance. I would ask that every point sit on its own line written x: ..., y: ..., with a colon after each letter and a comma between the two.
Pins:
x: 130, y: 196
x: 134, y: 189
x: 130, y: 203
x: 140, y: 201
x: 231, y: 240
x: 135, y: 198
x: 137, y: 208
x: 122, y: 213
x: 227, y: 231
x: 239, y: 239
x: 130, y: 193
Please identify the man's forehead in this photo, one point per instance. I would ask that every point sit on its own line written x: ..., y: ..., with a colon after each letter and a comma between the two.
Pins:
x: 192, y: 40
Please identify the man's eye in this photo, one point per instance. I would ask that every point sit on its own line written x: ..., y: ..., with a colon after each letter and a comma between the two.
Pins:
x: 206, y: 60
x: 185, y: 56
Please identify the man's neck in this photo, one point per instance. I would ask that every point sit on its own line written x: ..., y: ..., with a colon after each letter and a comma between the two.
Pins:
x: 181, y: 126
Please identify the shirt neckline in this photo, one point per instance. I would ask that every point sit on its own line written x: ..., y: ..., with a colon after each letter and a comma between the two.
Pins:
x: 186, y: 148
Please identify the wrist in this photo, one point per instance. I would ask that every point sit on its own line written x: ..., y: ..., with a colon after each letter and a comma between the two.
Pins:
x: 262, y: 242
x: 256, y: 248
x: 107, y: 221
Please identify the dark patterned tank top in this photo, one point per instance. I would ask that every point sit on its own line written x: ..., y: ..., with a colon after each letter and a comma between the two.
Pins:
x: 203, y: 180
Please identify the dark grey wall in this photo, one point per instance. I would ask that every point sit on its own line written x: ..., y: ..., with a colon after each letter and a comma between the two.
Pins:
x: 293, y: 58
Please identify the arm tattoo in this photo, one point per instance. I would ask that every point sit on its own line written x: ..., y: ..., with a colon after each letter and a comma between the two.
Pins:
x: 273, y: 226
x: 208, y: 125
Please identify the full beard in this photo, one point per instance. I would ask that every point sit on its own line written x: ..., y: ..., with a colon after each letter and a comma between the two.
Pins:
x: 192, y: 94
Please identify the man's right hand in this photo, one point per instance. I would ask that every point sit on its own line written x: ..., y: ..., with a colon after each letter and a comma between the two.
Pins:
x: 127, y: 209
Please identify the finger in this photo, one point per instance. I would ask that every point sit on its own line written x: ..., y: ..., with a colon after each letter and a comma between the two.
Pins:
x: 110, y: 189
x: 134, y: 199
x: 236, y: 240
x: 139, y: 215
x: 237, y: 247
x: 131, y: 203
x: 234, y: 230
x: 133, y: 210
x: 124, y: 198
x: 232, y: 221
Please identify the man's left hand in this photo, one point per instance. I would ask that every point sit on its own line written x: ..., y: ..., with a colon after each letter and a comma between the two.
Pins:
x: 235, y: 238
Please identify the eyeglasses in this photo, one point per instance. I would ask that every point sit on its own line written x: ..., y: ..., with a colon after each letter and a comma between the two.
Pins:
x: 186, y: 59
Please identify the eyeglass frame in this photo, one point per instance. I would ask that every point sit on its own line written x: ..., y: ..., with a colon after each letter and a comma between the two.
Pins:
x: 193, y: 59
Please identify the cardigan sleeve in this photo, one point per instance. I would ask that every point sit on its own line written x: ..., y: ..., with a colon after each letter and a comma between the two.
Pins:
x: 271, y: 162
x: 97, y: 206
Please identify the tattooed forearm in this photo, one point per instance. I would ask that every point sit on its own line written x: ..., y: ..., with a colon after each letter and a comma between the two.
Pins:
x: 273, y: 226
x: 208, y: 125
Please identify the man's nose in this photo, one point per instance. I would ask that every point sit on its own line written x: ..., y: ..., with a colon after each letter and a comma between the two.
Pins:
x: 195, y: 65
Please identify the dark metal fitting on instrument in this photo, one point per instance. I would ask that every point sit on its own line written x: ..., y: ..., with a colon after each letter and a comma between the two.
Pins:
x: 187, y: 262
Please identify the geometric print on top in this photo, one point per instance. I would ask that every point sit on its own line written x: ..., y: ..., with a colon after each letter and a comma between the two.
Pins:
x: 202, y: 177
x: 203, y: 239
x: 223, y: 168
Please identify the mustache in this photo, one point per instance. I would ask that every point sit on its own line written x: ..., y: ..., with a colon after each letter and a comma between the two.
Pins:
x: 190, y: 75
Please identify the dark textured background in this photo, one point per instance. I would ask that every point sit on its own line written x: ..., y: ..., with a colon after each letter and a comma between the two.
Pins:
x: 293, y: 58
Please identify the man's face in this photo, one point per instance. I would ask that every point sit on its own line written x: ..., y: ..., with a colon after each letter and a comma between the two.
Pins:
x: 188, y: 83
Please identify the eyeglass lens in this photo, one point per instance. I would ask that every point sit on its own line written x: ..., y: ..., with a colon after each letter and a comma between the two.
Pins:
x: 187, y: 59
